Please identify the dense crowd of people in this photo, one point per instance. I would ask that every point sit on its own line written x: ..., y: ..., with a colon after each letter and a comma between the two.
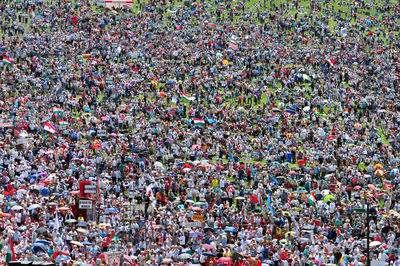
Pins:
x: 213, y: 133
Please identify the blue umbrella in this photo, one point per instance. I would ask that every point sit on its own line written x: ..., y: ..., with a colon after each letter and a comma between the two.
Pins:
x: 83, y: 224
x: 231, y: 229
x: 39, y: 246
x: 45, y: 192
x: 111, y: 210
x: 195, y: 234
x: 45, y: 242
x: 87, y: 243
x: 62, y: 257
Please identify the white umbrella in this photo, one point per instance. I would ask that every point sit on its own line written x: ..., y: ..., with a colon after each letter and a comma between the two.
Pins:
x: 158, y: 165
x: 33, y: 206
x: 17, y: 208
x: 306, y: 109
x: 185, y: 256
x: 375, y: 244
x: 22, y: 191
x: 325, y: 192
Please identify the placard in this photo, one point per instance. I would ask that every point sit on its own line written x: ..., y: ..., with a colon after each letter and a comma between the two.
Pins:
x: 113, y: 258
x: 198, y: 217
x: 85, y: 204
x: 101, y: 133
x: 194, y: 224
x: 90, y: 189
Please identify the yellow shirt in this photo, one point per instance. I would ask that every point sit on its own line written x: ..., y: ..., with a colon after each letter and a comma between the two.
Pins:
x: 215, y: 182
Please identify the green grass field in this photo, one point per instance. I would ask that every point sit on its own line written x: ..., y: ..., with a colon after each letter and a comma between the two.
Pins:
x: 334, y: 6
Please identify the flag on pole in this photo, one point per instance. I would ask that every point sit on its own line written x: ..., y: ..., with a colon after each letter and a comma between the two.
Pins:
x: 83, y: 167
x: 212, y: 204
x: 10, y: 251
x: 56, y: 222
x: 50, y: 128
x: 211, y: 128
x: 260, y: 198
x: 189, y: 133
x: 233, y: 43
x: 186, y: 97
x: 311, y: 199
x: 58, y: 110
x: 7, y: 60
x: 198, y: 121
x: 63, y: 123
x: 331, y: 62
x: 269, y: 204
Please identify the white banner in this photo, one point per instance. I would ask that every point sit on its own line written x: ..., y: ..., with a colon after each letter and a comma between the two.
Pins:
x: 113, y: 258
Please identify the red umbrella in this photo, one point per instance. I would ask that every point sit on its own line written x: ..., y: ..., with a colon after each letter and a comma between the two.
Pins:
x: 301, y: 162
x: 371, y: 33
x: 254, y: 198
x: 207, y: 247
x: 331, y: 137
x: 186, y: 165
x: 379, y: 51
x: 55, y: 254
x: 225, y: 261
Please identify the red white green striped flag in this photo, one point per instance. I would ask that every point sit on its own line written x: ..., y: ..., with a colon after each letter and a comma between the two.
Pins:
x: 10, y: 256
x: 63, y: 123
x: 189, y: 133
x: 331, y: 62
x: 211, y: 128
x: 311, y: 199
x: 50, y: 128
x: 186, y: 97
x: 198, y: 121
x: 83, y: 167
x: 233, y: 43
x: 6, y: 60
x: 58, y: 110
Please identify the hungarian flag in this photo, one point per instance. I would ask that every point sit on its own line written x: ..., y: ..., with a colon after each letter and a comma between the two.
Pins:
x: 198, y: 121
x: 260, y: 201
x: 63, y: 123
x: 83, y: 167
x: 311, y: 199
x: 7, y: 60
x: 57, y: 110
x: 48, y: 127
x: 186, y: 96
x: 212, y: 204
x: 331, y: 62
x: 10, y: 251
x: 211, y: 128
x: 233, y: 43
x: 189, y: 133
